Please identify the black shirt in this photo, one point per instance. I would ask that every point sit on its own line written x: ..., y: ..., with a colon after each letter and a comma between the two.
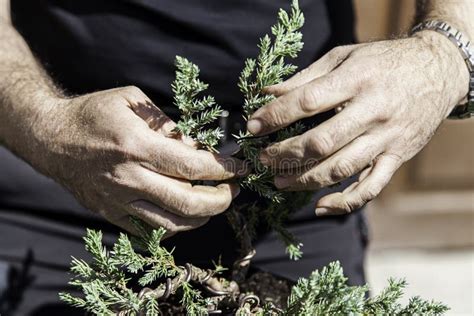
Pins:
x: 91, y: 45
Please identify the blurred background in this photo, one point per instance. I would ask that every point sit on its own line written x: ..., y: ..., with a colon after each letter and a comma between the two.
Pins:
x: 422, y: 226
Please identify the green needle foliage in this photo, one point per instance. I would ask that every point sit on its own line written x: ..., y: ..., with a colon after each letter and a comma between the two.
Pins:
x: 196, y: 113
x: 327, y: 293
x: 270, y: 68
x: 109, y: 283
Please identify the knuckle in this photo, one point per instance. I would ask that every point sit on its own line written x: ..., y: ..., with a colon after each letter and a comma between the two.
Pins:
x: 371, y: 192
x: 129, y: 143
x: 320, y: 145
x: 115, y: 176
x: 215, y: 206
x: 351, y: 206
x: 376, y: 106
x: 382, y: 114
x: 189, y: 169
x: 117, y: 173
x: 395, y: 158
x: 309, y: 179
x: 357, y: 78
x: 363, y: 72
x: 336, y: 52
x: 198, y: 205
x: 308, y: 99
x: 304, y: 71
x: 134, y: 92
x: 277, y: 113
x: 204, y: 207
x: 185, y: 206
x: 342, y: 169
x: 167, y: 225
x: 334, y: 81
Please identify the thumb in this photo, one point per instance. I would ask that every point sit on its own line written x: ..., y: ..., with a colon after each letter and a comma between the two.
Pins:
x: 156, y: 119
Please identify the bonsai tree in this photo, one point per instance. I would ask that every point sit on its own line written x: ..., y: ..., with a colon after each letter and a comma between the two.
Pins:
x: 140, y: 277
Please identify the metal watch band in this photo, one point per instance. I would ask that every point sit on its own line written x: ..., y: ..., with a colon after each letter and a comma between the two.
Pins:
x: 464, y: 45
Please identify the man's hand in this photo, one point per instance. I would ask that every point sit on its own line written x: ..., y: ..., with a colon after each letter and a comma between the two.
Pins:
x: 115, y: 152
x: 393, y: 95
x: 112, y: 149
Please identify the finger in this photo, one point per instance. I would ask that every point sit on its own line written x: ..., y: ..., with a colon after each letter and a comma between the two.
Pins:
x: 156, y: 119
x: 144, y: 108
x: 157, y: 217
x: 173, y: 158
x: 321, y: 141
x: 147, y: 116
x: 316, y: 96
x: 151, y: 214
x: 364, y: 174
x: 321, y: 67
x: 347, y: 162
x: 120, y: 218
x: 366, y: 189
x: 182, y: 198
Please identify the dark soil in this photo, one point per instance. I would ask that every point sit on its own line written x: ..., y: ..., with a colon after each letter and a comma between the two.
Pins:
x: 269, y: 288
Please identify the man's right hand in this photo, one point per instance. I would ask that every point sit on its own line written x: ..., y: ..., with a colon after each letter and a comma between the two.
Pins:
x: 115, y: 152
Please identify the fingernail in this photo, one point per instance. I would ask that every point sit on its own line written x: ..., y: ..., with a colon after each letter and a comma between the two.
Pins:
x: 269, y: 89
x: 264, y: 159
x: 281, y: 182
x: 254, y: 126
x: 235, y: 191
x: 322, y: 211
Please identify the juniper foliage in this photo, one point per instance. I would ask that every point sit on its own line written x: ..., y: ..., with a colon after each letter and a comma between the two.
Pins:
x: 270, y: 68
x: 326, y: 292
x: 107, y: 284
x: 196, y: 112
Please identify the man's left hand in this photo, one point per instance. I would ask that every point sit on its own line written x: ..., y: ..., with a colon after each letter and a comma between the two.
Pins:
x: 393, y: 95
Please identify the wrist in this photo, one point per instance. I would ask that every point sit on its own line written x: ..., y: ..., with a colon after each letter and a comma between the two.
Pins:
x: 453, y: 71
x: 28, y: 123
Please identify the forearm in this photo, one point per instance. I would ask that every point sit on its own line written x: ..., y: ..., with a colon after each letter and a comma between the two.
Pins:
x: 26, y: 93
x: 458, y: 13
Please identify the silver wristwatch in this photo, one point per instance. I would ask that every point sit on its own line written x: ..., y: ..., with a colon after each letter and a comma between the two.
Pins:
x: 464, y: 110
